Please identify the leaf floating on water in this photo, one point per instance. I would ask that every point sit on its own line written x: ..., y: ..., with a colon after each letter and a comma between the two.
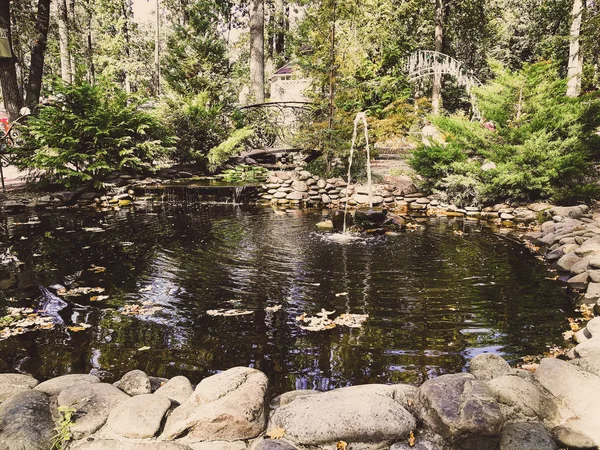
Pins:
x: 552, y: 278
x: 79, y: 327
x: 22, y: 320
x: 274, y: 308
x: 80, y: 291
x: 339, y: 294
x: 97, y: 269
x: 147, y: 308
x: 276, y: 433
x: 98, y: 298
x: 351, y: 320
x: 94, y: 229
x: 228, y: 312
x: 143, y: 349
x: 325, y: 313
x: 126, y: 244
x: 568, y: 335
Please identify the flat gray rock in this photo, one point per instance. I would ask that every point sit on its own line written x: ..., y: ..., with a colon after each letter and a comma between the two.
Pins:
x: 219, y: 445
x: 226, y: 406
x: 139, y: 417
x: 111, y: 444
x: 177, y: 389
x: 56, y: 385
x: 289, y: 397
x: 135, y: 382
x: 26, y: 422
x: 459, y: 407
x: 272, y: 444
x: 525, y: 399
x: 94, y: 402
x: 578, y: 434
x: 593, y: 326
x: 487, y: 366
x: 577, y: 389
x: 567, y: 261
x: 526, y: 436
x: 589, y: 348
x: 11, y: 383
x: 359, y: 414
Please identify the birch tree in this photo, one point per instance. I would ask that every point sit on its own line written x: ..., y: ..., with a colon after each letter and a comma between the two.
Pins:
x: 257, y: 50
x: 575, y: 67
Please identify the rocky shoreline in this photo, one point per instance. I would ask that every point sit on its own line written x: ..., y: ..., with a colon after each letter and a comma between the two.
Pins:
x: 493, y: 406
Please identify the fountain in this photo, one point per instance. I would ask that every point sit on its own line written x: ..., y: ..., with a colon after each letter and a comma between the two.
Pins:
x: 361, y: 116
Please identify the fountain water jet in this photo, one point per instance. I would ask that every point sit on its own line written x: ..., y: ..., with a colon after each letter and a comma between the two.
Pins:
x: 361, y: 116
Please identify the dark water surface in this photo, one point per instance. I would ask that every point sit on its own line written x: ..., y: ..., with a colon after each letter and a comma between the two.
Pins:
x: 434, y: 299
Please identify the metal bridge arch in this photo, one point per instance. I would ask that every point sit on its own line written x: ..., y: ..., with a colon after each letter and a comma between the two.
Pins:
x: 425, y: 63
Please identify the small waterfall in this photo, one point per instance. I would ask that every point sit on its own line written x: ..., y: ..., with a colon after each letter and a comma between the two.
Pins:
x: 361, y: 116
x: 238, y: 193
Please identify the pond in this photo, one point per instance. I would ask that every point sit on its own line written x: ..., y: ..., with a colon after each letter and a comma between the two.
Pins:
x: 434, y: 297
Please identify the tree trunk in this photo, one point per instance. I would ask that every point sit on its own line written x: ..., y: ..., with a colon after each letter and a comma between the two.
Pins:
x: 436, y: 96
x: 90, y: 51
x: 257, y: 50
x: 38, y: 51
x: 13, y: 102
x: 157, y: 49
x: 280, y: 25
x: 127, y: 16
x: 575, y: 67
x: 63, y: 39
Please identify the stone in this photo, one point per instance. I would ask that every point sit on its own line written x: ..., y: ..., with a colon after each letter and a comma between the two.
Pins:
x: 227, y: 406
x: 573, y: 212
x: 488, y: 166
x: 304, y: 175
x: 338, y: 217
x: 11, y: 383
x: 370, y: 215
x: 575, y: 388
x: 579, y: 281
x: 578, y: 434
x: 297, y: 195
x: 110, y: 444
x: 524, y: 398
x: 593, y: 327
x: 404, y: 185
x: 362, y: 414
x: 26, y: 422
x: 594, y: 263
x: 219, y: 445
x: 588, y: 349
x: 538, y: 207
x: 566, y: 262
x: 419, y: 445
x: 93, y: 402
x: 135, y: 382
x: 487, y: 366
x: 460, y: 408
x: 555, y: 254
x: 526, y: 436
x: 283, y: 175
x: 592, y: 291
x: 321, y: 184
x: 311, y: 182
x: 56, y: 385
x: 326, y: 199
x: 581, y: 336
x: 325, y: 225
x: 300, y: 186
x: 594, y: 275
x: 272, y: 444
x: 280, y: 194
x: 139, y: 417
x: 177, y: 389
x: 288, y: 397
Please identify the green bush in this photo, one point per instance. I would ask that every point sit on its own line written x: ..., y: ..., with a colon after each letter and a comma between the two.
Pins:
x: 234, y: 144
x: 245, y: 173
x: 543, y: 148
x: 88, y: 131
x: 198, y: 125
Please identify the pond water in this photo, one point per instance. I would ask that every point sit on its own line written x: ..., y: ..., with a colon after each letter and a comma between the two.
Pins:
x: 434, y: 298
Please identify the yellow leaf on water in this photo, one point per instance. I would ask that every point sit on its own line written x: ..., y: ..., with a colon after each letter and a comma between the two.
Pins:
x: 97, y: 269
x: 75, y: 328
x: 276, y: 433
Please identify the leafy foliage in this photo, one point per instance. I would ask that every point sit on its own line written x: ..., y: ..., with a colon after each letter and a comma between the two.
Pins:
x: 88, y: 131
x: 245, y: 173
x: 543, y: 148
x: 230, y: 147
x: 63, y: 431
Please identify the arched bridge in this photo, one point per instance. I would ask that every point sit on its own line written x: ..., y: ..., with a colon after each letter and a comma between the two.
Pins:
x: 425, y: 63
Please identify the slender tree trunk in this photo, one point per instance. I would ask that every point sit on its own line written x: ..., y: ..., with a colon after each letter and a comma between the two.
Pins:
x: 126, y: 16
x: 73, y: 32
x: 63, y: 40
x: 436, y: 96
x: 257, y: 50
x: 280, y: 24
x: 90, y: 50
x: 157, y: 49
x: 575, y: 68
x: 38, y: 51
x: 13, y: 102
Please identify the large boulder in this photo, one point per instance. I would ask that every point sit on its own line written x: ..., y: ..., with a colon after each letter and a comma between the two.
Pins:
x: 56, y: 385
x: 11, y: 383
x: 226, y: 406
x: 177, y: 389
x: 577, y: 389
x: 93, y: 402
x: 487, y: 366
x: 524, y: 399
x: 113, y: 444
x: 461, y: 409
x: 526, y: 436
x: 358, y: 414
x: 135, y: 382
x: 26, y: 422
x: 139, y: 417
x: 578, y: 433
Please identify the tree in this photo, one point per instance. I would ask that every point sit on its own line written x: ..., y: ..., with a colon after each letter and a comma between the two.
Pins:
x: 13, y: 101
x: 38, y: 52
x: 257, y: 50
x: 63, y: 31
x: 575, y: 67
x: 436, y: 96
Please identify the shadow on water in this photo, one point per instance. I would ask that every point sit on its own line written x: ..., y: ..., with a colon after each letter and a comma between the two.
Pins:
x: 434, y: 299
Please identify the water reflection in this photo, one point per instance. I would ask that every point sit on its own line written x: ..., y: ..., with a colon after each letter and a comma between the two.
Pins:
x: 434, y: 299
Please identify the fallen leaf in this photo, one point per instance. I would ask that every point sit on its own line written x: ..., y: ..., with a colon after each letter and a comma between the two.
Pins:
x: 273, y: 308
x: 144, y: 348
x: 228, y: 312
x: 351, y: 320
x: 341, y: 445
x: 98, y: 298
x: 97, y: 269
x: 276, y: 433
x: 411, y: 439
x: 339, y: 294
x: 552, y: 278
x: 78, y: 327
